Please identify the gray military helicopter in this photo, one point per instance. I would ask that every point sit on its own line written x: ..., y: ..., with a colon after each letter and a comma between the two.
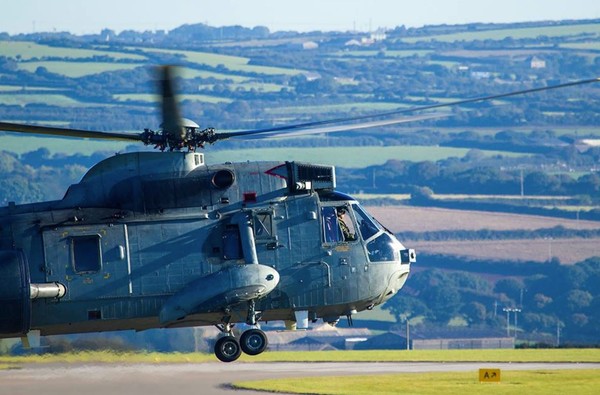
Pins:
x: 163, y: 240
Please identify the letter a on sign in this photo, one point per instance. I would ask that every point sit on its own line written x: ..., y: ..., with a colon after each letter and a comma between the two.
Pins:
x: 489, y: 375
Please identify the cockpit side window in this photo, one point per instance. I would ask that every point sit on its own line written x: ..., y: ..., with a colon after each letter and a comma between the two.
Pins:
x: 346, y: 224
x: 331, y: 229
x: 338, y: 225
x: 366, y: 225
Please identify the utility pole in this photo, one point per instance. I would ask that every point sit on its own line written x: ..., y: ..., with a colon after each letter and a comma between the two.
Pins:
x: 521, y: 299
x: 516, y: 311
x: 507, y: 310
x: 522, y: 185
x: 406, y: 318
x: 549, y: 248
x: 407, y: 334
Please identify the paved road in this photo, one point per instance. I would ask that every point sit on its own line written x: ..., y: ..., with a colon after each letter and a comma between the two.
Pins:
x: 208, y: 378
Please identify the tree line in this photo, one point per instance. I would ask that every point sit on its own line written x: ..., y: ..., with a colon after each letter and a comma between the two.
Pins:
x: 550, y: 296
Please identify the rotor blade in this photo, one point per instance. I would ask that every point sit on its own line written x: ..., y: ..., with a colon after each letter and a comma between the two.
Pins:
x: 306, y: 125
x: 171, y: 118
x: 345, y: 128
x: 33, y: 129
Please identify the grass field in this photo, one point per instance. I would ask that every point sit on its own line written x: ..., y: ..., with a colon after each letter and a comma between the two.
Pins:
x: 150, y: 98
x: 591, y: 45
x: 27, y: 50
x: 498, y: 355
x: 344, y: 107
x: 186, y: 72
x: 338, y: 156
x: 517, y: 33
x: 581, y: 382
x: 463, y: 383
x: 352, y: 157
x: 22, y: 99
x: 233, y: 63
x: 391, y: 53
x: 20, y: 144
x: 77, y: 69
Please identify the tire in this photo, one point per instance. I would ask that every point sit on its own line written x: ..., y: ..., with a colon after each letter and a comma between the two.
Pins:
x: 253, y: 341
x: 227, y: 349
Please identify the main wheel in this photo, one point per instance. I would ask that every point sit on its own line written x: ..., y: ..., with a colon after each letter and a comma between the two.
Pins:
x: 227, y: 349
x: 253, y: 341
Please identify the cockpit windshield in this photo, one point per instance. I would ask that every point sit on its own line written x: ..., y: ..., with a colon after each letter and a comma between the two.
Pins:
x: 367, y: 227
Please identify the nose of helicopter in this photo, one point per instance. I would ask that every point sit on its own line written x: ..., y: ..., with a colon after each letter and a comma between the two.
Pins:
x: 398, y: 272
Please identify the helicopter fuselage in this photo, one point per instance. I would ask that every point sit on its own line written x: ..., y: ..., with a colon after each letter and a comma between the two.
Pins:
x: 149, y: 240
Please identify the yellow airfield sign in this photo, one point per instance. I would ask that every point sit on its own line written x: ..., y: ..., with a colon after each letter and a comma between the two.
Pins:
x: 489, y: 375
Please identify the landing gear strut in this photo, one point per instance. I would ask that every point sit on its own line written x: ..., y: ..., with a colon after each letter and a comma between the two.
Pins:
x: 252, y: 342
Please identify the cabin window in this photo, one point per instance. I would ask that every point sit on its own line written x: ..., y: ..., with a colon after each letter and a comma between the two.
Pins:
x: 263, y: 226
x: 86, y: 254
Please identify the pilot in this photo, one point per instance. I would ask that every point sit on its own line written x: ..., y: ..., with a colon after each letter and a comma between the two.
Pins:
x: 348, y: 236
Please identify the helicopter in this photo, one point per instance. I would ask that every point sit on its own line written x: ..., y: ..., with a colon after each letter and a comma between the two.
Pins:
x: 163, y: 240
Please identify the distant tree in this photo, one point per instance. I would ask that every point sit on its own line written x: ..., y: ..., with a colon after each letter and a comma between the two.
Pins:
x: 422, y: 172
x: 475, y: 312
x: 541, y: 301
x: 420, y: 195
x: 579, y: 319
x: 470, y: 281
x: 574, y: 301
x: 540, y: 183
x: 511, y: 287
x: 239, y: 109
x: 402, y: 306
x: 444, y: 301
x: 535, y: 322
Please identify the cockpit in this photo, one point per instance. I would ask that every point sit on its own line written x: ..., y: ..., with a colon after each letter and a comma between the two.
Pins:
x: 348, y: 222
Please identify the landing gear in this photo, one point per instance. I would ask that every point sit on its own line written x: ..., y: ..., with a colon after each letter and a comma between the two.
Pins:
x: 253, y: 341
x: 227, y: 349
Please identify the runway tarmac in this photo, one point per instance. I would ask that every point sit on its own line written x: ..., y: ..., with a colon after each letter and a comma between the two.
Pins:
x: 210, y: 378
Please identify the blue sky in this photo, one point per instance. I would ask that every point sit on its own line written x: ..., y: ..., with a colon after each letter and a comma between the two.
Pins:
x: 84, y: 17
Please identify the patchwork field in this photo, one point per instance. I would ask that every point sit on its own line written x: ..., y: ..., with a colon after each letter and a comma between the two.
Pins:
x: 27, y: 50
x: 568, y: 251
x: 424, y: 219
